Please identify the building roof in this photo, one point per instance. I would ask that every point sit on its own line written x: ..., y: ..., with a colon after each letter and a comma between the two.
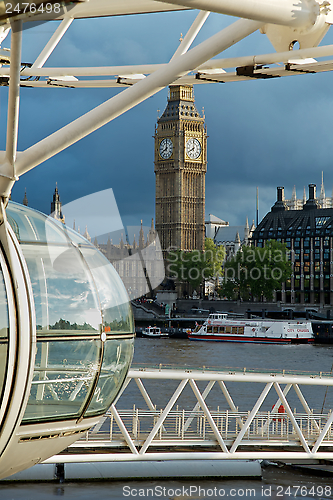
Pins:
x: 181, y: 105
x: 227, y: 234
x: 216, y: 220
x: 283, y: 223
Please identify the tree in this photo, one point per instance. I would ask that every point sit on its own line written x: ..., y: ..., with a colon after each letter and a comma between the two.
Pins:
x: 257, y: 272
x: 195, y: 266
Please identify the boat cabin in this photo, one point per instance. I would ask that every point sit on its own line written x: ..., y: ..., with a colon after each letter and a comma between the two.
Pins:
x: 218, y: 316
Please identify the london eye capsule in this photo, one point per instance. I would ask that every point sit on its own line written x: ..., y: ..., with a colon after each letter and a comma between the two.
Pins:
x: 66, y: 337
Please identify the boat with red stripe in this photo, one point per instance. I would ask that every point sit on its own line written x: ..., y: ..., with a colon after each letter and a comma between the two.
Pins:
x: 218, y: 327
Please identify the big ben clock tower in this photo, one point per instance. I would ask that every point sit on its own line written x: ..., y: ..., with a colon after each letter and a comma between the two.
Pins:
x: 180, y: 167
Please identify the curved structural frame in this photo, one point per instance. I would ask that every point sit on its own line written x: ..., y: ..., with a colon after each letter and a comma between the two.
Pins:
x: 66, y: 337
x: 284, y: 23
x: 18, y: 337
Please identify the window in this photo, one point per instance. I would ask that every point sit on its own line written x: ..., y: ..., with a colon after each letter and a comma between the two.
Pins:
x: 73, y: 376
x: 320, y: 221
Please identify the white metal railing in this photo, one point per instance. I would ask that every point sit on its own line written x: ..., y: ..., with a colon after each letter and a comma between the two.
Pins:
x: 280, y: 431
x: 150, y: 432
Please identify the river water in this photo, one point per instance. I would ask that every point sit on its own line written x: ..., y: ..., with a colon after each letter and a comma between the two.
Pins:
x: 277, y: 483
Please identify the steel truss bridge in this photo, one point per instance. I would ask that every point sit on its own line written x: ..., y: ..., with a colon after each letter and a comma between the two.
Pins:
x: 149, y: 432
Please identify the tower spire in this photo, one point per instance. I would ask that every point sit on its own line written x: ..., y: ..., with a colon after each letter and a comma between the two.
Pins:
x: 141, y: 237
x: 322, y: 197
x: 25, y: 199
x: 56, y: 211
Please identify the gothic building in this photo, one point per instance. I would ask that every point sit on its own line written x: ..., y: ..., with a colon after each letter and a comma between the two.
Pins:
x: 180, y: 168
x: 323, y: 201
x: 139, y: 264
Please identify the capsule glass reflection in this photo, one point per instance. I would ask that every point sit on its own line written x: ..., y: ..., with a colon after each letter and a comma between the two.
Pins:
x: 84, y: 323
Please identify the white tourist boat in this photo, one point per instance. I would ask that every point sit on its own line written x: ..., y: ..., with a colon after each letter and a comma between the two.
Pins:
x: 218, y: 327
x: 153, y: 331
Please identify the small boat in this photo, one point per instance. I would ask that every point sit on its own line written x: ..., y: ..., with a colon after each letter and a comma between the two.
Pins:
x: 218, y: 327
x: 153, y: 331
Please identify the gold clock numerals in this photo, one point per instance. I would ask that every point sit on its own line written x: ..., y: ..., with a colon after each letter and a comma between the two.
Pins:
x: 166, y: 148
x: 193, y: 148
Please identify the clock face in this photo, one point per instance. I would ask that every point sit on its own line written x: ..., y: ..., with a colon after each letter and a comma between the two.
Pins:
x: 166, y: 148
x: 193, y: 148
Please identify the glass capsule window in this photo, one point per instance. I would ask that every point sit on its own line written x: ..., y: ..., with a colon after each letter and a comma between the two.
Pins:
x: 83, y: 319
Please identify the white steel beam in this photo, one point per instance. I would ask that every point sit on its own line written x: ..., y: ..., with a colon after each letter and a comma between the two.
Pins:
x: 210, y: 419
x: 8, y: 169
x: 192, y: 33
x: 304, y: 403
x: 276, y: 407
x: 271, y: 58
x: 322, y: 434
x: 205, y: 393
x: 234, y: 376
x: 151, y: 457
x: 230, y: 62
x: 88, y: 71
x: 53, y: 42
x: 285, y: 12
x: 145, y: 394
x: 123, y: 430
x: 227, y: 396
x: 292, y: 418
x: 229, y: 400
x: 132, y: 96
x: 165, y: 413
x: 249, y: 419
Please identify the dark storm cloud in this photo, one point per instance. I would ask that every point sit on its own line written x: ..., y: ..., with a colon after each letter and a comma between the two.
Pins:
x: 261, y: 133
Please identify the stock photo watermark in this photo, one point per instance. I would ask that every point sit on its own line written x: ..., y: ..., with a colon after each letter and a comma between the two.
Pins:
x: 254, y: 264
x: 195, y: 491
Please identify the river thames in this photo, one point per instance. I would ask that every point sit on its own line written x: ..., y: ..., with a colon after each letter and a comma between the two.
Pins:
x: 277, y: 483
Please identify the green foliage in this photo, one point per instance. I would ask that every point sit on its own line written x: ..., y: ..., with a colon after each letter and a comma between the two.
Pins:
x: 194, y: 267
x: 256, y: 272
x: 63, y: 324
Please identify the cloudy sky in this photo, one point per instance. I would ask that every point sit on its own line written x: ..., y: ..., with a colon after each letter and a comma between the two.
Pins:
x: 261, y: 133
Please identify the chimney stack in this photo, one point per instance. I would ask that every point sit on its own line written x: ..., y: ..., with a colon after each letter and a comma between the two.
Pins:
x: 312, y: 191
x: 312, y: 202
x: 280, y: 204
x: 280, y: 193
